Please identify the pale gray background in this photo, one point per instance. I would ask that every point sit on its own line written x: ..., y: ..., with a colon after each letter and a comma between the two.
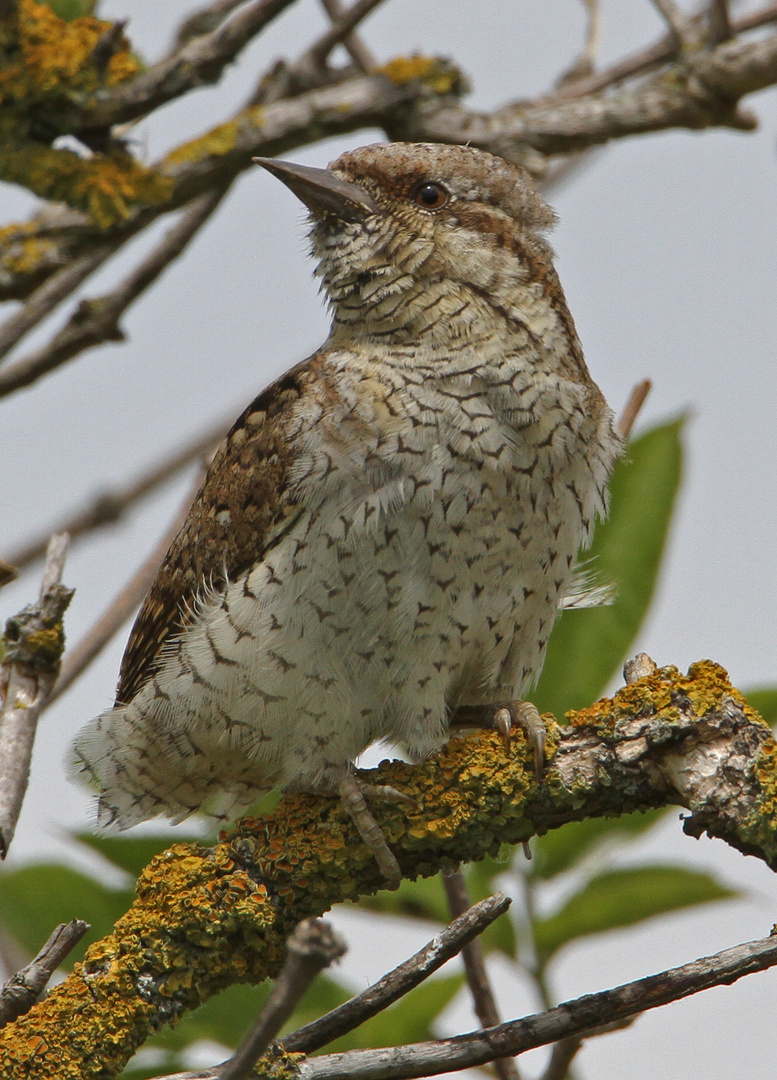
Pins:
x: 666, y: 248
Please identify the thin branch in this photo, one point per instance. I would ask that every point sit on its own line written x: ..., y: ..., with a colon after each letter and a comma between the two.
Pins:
x: 109, y: 506
x: 77, y: 659
x: 562, y: 1055
x: 586, y: 61
x: 563, y: 1052
x: 633, y: 407
x: 312, y: 946
x: 400, y: 981
x: 204, y: 21
x: 52, y: 292
x: 316, y: 56
x: 22, y: 990
x: 472, y: 954
x: 719, y: 22
x: 97, y: 321
x: 571, y: 1019
x: 34, y: 641
x: 199, y: 62
x: 658, y: 53
x: 356, y: 48
x: 678, y: 23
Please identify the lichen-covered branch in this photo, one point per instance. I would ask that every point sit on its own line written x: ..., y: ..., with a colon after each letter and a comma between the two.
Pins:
x: 30, y: 650
x: 206, y: 918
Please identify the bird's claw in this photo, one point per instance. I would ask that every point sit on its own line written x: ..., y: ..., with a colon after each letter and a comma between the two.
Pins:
x: 527, y: 715
x: 353, y: 796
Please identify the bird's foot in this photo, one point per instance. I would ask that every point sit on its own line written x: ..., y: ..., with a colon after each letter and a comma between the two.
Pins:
x: 354, y: 796
x: 527, y: 715
x: 502, y: 718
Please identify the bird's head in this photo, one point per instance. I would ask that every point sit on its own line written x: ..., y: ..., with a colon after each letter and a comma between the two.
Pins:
x: 423, y: 236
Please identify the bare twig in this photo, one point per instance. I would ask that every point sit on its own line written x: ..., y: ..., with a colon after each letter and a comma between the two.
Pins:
x: 561, y: 1056
x: 312, y: 946
x: 563, y: 1052
x: 658, y: 53
x: 204, y: 21
x: 472, y: 954
x: 77, y: 659
x: 633, y: 407
x: 8, y: 572
x: 316, y: 56
x: 678, y: 23
x: 399, y: 981
x: 96, y: 321
x: 109, y: 506
x: 34, y: 641
x: 569, y: 1020
x: 199, y: 62
x: 586, y: 61
x: 357, y: 50
x: 21, y: 991
x: 719, y: 22
x: 53, y: 291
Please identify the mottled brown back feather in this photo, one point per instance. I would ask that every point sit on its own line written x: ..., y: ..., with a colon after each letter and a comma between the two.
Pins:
x: 243, y: 498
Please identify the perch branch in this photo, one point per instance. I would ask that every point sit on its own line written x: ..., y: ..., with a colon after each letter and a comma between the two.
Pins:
x: 205, y: 918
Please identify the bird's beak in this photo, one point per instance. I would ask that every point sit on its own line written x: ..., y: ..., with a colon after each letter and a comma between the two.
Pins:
x: 321, y: 191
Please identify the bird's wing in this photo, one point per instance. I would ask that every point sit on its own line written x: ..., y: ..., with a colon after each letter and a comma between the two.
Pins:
x: 241, y: 505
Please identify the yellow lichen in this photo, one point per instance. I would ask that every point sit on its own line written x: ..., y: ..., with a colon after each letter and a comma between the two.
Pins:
x: 438, y: 74
x: 51, y: 57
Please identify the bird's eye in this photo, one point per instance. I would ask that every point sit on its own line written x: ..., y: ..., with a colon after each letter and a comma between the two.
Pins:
x: 430, y: 195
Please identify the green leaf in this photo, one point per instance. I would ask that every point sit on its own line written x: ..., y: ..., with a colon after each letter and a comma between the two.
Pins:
x: 764, y: 700
x: 72, y: 9
x: 34, y: 899
x: 133, y: 853
x: 564, y: 848
x: 618, y: 898
x: 588, y: 646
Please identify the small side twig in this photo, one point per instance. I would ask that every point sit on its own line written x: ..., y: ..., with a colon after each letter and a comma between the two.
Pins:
x: 719, y: 22
x: 398, y: 982
x: 21, y: 991
x: 354, y: 45
x: 312, y: 946
x: 34, y: 640
x: 679, y: 25
x: 633, y: 407
x: 477, y: 977
x: 204, y: 21
x: 316, y: 56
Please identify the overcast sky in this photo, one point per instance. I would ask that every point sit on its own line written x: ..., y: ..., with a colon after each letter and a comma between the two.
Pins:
x: 667, y: 248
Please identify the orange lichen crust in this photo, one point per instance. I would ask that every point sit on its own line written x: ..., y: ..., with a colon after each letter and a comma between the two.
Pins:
x: 435, y: 72
x: 48, y: 66
x: 206, y: 918
x: 45, y: 58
